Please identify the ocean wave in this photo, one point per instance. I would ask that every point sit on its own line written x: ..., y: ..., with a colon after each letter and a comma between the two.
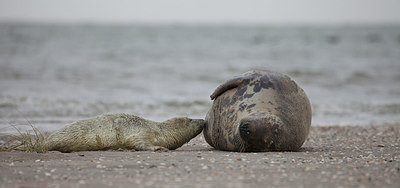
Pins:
x: 308, y: 73
x: 350, y: 73
x: 31, y: 107
x: 358, y: 77
x: 378, y: 109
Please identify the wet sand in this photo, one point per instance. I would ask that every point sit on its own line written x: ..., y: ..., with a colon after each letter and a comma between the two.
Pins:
x: 331, y: 157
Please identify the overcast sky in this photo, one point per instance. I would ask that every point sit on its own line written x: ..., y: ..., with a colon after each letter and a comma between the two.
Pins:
x: 203, y: 11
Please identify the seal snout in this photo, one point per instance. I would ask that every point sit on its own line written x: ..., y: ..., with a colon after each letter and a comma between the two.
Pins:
x: 257, y: 132
x: 197, y: 124
x: 250, y: 128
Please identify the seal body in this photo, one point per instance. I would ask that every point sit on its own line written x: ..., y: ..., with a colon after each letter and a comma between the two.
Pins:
x: 114, y: 131
x: 258, y: 111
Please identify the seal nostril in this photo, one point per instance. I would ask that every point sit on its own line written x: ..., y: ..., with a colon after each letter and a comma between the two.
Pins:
x: 245, y: 128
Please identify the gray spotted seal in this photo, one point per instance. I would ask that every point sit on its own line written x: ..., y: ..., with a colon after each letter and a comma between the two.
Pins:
x: 258, y: 111
x: 114, y: 131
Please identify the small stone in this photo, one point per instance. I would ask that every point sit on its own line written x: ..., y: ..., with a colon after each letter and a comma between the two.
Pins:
x: 381, y: 145
x: 100, y: 166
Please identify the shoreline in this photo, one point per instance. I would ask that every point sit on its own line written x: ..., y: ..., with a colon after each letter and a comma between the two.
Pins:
x: 332, y: 156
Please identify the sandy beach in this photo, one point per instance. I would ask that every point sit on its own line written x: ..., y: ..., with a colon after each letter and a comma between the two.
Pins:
x: 332, y: 156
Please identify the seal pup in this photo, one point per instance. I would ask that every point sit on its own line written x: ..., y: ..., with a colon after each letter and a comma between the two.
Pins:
x: 114, y: 131
x: 259, y: 110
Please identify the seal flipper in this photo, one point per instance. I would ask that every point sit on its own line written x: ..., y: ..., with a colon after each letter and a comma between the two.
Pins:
x: 230, y: 84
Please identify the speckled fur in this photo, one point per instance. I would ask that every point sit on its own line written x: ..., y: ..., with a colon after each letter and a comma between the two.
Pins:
x: 114, y: 131
x: 258, y: 111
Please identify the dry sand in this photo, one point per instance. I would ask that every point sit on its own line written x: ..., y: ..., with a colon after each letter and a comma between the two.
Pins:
x: 331, y: 157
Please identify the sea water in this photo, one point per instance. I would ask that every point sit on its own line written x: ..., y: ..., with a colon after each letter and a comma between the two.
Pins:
x: 52, y: 75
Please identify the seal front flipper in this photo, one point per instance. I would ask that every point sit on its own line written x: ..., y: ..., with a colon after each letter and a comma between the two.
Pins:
x: 146, y: 146
x: 230, y: 84
x: 154, y: 148
x: 160, y: 149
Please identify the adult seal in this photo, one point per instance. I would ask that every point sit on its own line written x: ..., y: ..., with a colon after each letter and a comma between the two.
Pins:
x: 259, y: 110
x: 114, y: 131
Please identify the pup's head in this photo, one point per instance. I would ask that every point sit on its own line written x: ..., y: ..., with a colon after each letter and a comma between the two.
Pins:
x: 182, y: 130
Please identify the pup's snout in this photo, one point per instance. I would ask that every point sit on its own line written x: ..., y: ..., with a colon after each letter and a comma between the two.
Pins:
x: 198, y: 122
